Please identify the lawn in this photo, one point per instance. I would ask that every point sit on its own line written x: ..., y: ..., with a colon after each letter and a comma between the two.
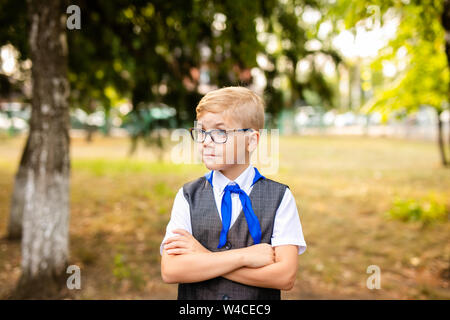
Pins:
x: 343, y: 186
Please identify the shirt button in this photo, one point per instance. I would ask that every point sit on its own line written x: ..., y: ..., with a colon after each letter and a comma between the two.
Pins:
x: 228, y: 245
x: 225, y: 297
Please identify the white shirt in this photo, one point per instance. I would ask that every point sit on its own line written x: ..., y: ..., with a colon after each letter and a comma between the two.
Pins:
x: 287, y: 228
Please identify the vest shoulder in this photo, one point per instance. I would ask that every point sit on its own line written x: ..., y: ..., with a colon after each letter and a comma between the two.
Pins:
x: 194, y: 184
x: 275, y: 183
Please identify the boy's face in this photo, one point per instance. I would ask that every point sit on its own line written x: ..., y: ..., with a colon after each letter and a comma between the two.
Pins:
x: 237, y: 149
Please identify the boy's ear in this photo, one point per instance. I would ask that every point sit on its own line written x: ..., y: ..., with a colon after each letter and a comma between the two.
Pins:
x: 253, y: 140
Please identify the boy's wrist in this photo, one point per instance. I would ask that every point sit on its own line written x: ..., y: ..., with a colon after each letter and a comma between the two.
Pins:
x: 243, y: 258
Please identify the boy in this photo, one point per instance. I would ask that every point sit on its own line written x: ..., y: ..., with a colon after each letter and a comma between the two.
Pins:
x: 233, y: 234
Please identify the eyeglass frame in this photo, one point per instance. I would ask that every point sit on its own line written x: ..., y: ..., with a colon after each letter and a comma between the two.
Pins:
x: 221, y: 130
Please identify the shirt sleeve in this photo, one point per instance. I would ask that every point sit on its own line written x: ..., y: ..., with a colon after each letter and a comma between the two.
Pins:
x: 180, y: 217
x: 287, y: 227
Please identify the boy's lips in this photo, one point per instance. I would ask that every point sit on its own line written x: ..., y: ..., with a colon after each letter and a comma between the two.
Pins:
x: 208, y: 154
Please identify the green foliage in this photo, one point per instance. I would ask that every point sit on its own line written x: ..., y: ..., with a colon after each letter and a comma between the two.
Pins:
x: 419, y: 43
x: 427, y: 210
x: 284, y: 87
x: 153, y: 52
x: 425, y: 80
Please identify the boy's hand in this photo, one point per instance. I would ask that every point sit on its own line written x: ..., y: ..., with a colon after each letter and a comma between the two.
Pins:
x: 259, y: 255
x: 183, y: 243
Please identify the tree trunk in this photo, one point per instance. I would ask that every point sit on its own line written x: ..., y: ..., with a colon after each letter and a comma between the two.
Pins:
x: 42, y: 184
x: 441, y: 139
x: 446, y: 24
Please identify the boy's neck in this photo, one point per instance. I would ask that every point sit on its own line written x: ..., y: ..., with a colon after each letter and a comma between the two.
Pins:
x: 235, y: 171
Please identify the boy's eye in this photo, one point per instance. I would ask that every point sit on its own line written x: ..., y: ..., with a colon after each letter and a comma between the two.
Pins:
x: 219, y: 136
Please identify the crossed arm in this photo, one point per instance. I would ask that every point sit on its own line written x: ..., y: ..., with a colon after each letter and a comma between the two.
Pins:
x: 185, y: 260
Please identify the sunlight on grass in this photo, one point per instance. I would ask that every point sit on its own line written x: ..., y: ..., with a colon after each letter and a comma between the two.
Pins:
x: 102, y: 167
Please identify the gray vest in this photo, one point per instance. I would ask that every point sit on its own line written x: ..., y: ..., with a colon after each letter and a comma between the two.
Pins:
x: 266, y: 196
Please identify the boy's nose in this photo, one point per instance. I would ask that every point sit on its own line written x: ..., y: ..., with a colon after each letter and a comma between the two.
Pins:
x: 208, y: 140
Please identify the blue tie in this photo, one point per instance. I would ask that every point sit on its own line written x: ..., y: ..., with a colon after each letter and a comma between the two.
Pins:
x: 252, y: 219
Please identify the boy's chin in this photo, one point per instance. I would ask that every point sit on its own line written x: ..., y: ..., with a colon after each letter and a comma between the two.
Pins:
x: 213, y: 166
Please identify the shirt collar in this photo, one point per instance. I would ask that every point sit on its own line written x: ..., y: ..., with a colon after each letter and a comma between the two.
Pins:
x: 244, y: 180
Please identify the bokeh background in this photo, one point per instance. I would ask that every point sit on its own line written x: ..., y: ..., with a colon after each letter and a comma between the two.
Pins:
x: 359, y: 91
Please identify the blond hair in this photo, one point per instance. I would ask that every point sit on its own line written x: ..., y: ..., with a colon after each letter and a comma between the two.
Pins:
x: 236, y: 103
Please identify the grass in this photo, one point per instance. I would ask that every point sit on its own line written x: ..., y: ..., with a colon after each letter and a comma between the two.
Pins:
x: 343, y: 186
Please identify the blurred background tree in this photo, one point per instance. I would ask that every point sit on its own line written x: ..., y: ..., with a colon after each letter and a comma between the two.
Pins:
x: 40, y: 200
x: 419, y: 55
x: 155, y: 52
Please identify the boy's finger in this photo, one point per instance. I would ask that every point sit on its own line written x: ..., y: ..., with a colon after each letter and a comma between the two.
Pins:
x: 174, y: 238
x: 182, y: 232
x: 176, y: 251
x: 175, y: 244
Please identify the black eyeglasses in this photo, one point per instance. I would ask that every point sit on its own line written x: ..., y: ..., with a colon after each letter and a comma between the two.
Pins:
x: 217, y: 135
